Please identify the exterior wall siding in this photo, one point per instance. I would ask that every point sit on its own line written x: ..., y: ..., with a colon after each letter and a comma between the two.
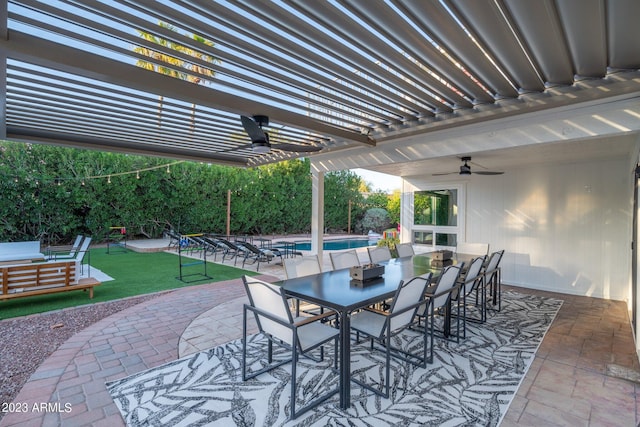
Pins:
x: 564, y: 227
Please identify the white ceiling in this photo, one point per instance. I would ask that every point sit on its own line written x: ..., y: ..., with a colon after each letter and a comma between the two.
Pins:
x: 572, y: 133
x: 508, y: 159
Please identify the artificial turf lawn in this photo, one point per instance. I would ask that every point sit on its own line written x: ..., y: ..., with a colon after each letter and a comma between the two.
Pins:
x: 134, y: 274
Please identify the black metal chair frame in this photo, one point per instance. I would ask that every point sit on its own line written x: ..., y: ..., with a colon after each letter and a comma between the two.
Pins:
x: 174, y: 238
x: 258, y: 255
x: 211, y: 246
x: 446, y: 309
x: 493, y: 281
x: 231, y: 250
x: 296, y: 349
x: 478, y: 286
x: 385, y: 339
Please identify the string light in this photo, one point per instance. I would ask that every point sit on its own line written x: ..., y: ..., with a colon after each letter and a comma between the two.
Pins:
x: 137, y: 171
x: 83, y: 180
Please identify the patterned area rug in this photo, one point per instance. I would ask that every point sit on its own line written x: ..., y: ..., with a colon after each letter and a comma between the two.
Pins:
x: 470, y: 383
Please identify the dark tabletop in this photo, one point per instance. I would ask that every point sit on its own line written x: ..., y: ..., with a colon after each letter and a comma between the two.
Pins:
x: 335, y: 289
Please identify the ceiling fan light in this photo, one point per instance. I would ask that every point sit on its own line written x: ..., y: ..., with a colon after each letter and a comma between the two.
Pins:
x: 261, y: 147
x: 465, y: 169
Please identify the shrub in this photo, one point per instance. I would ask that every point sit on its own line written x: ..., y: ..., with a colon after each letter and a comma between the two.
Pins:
x: 376, y: 219
x: 52, y: 194
x: 391, y: 243
x: 390, y: 240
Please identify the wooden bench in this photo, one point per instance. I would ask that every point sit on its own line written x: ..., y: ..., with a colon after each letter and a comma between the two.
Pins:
x: 42, y: 278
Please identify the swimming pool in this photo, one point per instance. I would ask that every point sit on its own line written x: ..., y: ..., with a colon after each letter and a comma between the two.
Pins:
x: 336, y: 245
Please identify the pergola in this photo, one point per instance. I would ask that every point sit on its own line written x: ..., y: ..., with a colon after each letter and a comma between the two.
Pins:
x: 398, y: 86
x: 171, y: 78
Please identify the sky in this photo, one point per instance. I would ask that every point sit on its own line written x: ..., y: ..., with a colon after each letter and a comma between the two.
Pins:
x: 379, y: 181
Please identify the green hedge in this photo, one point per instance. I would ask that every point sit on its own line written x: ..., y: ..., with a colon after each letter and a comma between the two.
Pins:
x: 53, y: 193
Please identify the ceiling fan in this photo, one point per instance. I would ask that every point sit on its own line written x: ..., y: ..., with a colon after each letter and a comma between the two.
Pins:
x: 260, y: 139
x: 465, y: 169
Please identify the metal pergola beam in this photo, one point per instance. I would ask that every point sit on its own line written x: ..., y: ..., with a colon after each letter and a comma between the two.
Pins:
x: 43, y: 52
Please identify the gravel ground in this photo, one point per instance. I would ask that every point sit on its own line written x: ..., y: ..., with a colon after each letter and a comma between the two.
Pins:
x: 25, y: 342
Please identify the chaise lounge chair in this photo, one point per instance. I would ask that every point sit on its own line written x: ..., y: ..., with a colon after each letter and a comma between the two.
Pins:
x: 53, y: 255
x: 258, y: 255
x: 230, y: 250
x: 174, y: 238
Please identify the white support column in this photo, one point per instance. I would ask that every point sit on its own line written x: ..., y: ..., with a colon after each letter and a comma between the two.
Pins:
x: 317, y: 212
x: 406, y: 213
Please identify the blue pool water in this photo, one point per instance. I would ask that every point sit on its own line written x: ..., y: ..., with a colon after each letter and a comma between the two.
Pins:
x: 336, y: 245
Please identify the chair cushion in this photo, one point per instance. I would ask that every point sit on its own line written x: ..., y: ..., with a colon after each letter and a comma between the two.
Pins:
x: 368, y: 322
x: 315, y: 333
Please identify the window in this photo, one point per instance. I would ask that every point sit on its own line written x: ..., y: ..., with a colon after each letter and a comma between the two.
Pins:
x: 436, y: 207
x: 442, y: 239
x: 435, y: 216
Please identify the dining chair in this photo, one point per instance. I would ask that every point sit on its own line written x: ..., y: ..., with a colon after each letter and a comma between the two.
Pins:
x: 472, y: 248
x: 300, y: 267
x: 380, y: 326
x: 300, y: 335
x: 439, y: 303
x: 344, y: 259
x: 472, y: 280
x: 303, y: 266
x: 379, y: 254
x: 493, y: 279
x: 405, y: 250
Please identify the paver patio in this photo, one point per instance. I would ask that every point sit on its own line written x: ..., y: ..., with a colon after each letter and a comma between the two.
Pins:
x: 572, y: 381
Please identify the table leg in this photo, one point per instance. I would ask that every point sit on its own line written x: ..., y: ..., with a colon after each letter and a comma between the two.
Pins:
x: 345, y: 361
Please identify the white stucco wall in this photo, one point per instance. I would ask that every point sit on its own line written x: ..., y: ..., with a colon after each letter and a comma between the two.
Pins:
x: 564, y: 227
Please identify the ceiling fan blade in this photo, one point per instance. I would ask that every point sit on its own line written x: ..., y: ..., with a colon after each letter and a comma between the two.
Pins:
x: 487, y: 173
x: 443, y: 173
x: 255, y: 132
x: 477, y: 164
x: 297, y: 148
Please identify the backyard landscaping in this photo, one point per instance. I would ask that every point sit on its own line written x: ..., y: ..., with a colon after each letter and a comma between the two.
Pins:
x: 134, y: 274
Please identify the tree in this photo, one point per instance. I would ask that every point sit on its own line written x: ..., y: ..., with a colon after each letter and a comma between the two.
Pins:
x: 393, y: 207
x: 378, y: 199
x: 176, y: 67
x: 365, y: 187
x: 340, y: 188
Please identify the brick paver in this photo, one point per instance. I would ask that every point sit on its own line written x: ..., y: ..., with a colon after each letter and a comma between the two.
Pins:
x: 567, y: 384
x: 72, y: 380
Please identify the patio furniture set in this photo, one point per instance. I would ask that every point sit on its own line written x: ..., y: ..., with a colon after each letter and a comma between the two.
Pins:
x: 415, y: 293
x: 26, y: 271
x: 240, y: 248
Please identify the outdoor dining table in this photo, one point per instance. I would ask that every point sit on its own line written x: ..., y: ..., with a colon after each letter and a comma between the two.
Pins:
x: 337, y: 291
